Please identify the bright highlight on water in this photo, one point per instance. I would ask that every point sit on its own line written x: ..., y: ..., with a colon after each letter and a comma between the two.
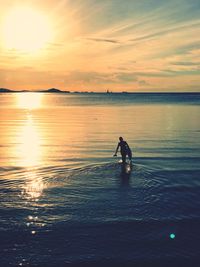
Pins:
x: 172, y: 236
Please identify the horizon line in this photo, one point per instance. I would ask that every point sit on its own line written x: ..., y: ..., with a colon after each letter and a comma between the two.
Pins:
x: 56, y: 90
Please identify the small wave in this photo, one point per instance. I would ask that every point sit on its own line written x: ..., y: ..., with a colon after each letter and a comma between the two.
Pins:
x: 10, y: 169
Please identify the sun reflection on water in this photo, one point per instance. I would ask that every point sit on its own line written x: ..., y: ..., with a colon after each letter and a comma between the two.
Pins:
x: 33, y: 186
x: 29, y: 100
x: 30, y: 151
x: 29, y: 148
x: 29, y: 145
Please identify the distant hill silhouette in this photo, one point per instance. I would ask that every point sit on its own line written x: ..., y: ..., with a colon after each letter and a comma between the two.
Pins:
x: 53, y: 90
x: 5, y: 90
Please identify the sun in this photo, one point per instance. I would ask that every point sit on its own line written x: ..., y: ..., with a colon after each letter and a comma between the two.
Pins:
x: 26, y: 29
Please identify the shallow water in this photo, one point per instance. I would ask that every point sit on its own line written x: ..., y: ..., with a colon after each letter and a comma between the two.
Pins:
x: 66, y: 200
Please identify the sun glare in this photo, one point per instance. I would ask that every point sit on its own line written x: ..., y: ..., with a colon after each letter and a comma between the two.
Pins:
x: 29, y: 147
x: 29, y: 100
x: 26, y: 29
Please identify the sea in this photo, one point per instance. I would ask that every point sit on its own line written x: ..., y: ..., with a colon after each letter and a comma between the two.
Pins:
x: 66, y: 201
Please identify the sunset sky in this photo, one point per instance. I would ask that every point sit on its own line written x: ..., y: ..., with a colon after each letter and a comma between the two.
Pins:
x: 95, y: 45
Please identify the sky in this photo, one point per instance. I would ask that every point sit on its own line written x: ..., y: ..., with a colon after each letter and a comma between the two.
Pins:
x: 99, y: 45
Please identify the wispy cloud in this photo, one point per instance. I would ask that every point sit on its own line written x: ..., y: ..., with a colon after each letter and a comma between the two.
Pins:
x: 100, y: 78
x: 186, y: 63
x: 103, y: 40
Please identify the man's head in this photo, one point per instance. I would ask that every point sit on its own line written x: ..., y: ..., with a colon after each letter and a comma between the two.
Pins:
x: 121, y: 138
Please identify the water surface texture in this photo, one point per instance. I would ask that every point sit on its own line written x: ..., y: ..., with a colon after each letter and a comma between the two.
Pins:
x: 66, y: 201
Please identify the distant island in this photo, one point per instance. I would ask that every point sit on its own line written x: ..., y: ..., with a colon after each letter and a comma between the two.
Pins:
x: 51, y: 90
x: 5, y: 90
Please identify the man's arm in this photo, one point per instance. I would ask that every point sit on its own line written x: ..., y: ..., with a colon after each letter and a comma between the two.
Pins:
x: 128, y: 146
x: 116, y: 151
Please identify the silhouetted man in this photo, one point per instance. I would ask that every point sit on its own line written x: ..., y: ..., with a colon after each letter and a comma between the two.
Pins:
x: 124, y: 149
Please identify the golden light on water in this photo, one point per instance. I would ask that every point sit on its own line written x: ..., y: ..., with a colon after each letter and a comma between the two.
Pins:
x: 29, y: 143
x: 29, y: 147
x: 33, y: 186
x: 29, y: 100
x: 26, y: 29
x: 30, y: 153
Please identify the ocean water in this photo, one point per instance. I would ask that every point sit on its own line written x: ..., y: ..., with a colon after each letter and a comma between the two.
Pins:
x: 65, y: 201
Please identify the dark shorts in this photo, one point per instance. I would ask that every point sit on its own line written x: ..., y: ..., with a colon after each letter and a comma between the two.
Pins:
x: 124, y: 153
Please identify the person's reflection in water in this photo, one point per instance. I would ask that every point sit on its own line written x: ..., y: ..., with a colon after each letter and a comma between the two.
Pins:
x: 125, y: 174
